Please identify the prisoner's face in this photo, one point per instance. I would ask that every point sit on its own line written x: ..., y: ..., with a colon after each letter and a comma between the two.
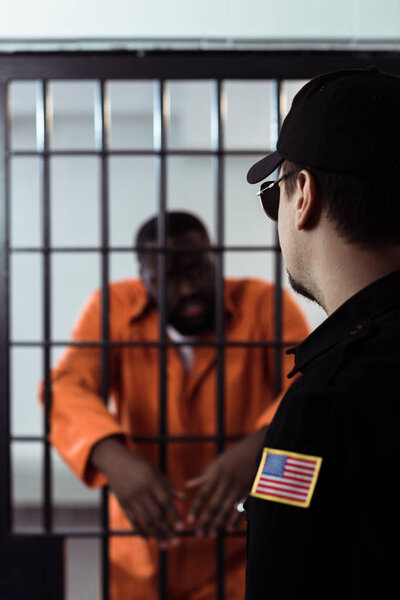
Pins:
x: 189, y: 283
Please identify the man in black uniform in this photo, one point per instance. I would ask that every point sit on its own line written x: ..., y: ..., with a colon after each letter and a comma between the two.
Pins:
x: 323, y: 513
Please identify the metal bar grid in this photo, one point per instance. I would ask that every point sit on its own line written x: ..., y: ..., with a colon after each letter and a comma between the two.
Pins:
x: 162, y: 344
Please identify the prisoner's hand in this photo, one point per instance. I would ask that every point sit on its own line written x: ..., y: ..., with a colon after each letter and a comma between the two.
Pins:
x: 145, y: 495
x: 223, y: 484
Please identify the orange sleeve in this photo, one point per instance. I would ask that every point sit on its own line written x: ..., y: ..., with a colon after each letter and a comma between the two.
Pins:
x: 78, y: 417
x: 294, y: 329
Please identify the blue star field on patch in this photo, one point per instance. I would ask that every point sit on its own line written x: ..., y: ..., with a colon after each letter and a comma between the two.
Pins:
x: 274, y: 465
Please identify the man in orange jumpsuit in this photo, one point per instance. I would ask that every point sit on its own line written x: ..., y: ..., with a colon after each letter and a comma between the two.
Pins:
x: 200, y: 489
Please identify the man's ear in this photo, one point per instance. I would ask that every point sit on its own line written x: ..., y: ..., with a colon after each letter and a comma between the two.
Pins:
x: 306, y: 207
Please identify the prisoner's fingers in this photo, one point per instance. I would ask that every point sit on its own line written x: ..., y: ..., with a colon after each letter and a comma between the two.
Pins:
x: 218, y: 509
x: 162, y: 520
x: 141, y: 523
x: 163, y: 495
x: 201, y: 497
x: 152, y: 521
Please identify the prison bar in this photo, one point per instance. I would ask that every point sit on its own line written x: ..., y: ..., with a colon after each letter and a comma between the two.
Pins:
x: 101, y: 138
x: 143, y: 440
x: 229, y: 63
x: 154, y: 344
x: 5, y: 475
x: 160, y: 129
x: 276, y: 119
x: 144, y: 152
x: 166, y: 249
x: 218, y: 108
x: 100, y: 533
x: 42, y: 140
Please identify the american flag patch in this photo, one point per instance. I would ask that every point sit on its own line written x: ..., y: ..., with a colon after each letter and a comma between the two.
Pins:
x: 286, y: 477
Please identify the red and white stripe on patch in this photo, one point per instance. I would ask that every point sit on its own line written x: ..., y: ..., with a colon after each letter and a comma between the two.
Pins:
x: 286, y: 477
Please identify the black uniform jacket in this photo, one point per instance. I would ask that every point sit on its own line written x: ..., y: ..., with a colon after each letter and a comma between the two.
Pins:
x: 344, y: 408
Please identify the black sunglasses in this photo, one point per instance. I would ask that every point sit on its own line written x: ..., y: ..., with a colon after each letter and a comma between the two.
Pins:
x: 269, y: 193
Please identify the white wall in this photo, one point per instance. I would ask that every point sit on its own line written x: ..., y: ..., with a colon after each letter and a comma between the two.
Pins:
x: 353, y: 20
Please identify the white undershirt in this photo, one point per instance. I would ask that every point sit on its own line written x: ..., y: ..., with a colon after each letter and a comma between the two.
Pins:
x: 186, y: 353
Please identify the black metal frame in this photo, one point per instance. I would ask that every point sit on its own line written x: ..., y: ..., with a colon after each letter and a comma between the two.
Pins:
x: 192, y: 64
x: 160, y: 66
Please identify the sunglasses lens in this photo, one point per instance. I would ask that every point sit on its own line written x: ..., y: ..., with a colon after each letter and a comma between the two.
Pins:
x: 270, y: 199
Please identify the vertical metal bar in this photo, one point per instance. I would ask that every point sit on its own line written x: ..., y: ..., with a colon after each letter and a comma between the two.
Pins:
x: 5, y: 491
x: 219, y: 165
x: 101, y: 141
x: 159, y: 115
x: 160, y: 146
x: 42, y: 142
x: 278, y: 320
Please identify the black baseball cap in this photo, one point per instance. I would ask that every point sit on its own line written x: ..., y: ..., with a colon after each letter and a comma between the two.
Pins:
x: 347, y: 121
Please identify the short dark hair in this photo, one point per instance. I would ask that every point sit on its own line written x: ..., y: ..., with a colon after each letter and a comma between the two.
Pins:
x: 365, y: 210
x: 176, y: 223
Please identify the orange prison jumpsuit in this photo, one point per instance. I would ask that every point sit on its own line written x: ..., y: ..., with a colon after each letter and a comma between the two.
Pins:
x: 79, y: 418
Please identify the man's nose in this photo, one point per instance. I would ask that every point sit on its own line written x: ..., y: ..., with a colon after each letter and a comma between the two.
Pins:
x: 187, y: 286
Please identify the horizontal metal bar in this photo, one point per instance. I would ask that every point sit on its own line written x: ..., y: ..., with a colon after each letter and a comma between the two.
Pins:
x: 155, y: 344
x: 193, y: 64
x: 107, y: 533
x: 143, y: 152
x: 159, y: 249
x: 143, y: 439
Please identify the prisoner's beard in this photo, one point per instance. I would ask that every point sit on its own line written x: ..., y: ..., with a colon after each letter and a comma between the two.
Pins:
x: 193, y: 327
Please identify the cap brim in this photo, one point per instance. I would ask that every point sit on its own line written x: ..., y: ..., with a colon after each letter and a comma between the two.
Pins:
x: 264, y: 167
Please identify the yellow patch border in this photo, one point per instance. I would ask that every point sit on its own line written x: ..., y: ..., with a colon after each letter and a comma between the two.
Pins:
x: 304, y: 503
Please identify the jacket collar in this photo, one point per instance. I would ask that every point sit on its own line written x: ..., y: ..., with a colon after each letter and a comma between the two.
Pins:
x: 351, y: 319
